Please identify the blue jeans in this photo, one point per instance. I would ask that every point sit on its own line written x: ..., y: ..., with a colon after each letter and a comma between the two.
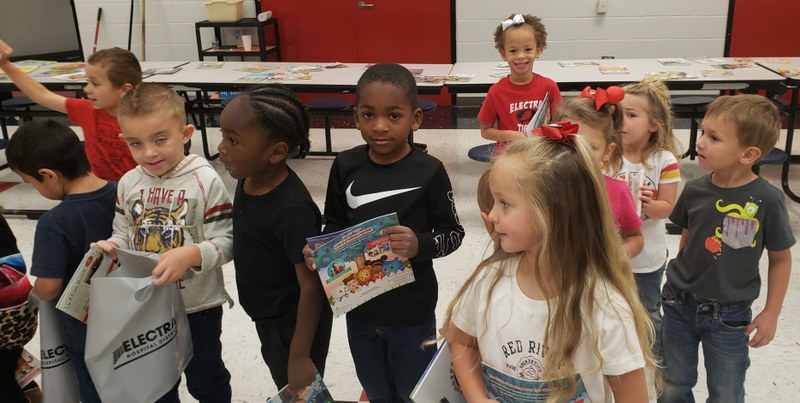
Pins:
x: 73, y: 333
x: 688, y: 321
x: 207, y: 378
x: 649, y: 285
x: 390, y: 360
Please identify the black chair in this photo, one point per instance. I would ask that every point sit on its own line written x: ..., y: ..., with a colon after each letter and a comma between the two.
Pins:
x: 326, y: 107
x: 691, y: 107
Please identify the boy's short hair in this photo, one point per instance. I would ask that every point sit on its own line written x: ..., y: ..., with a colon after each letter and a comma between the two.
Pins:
x: 757, y: 119
x: 147, y: 99
x: 47, y: 144
x: 121, y: 66
x: 390, y: 73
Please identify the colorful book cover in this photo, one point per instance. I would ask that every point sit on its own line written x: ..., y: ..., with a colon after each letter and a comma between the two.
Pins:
x: 733, y: 66
x: 255, y: 78
x: 614, y: 69
x: 789, y: 72
x: 430, y: 79
x: 276, y: 76
x: 23, y: 68
x: 316, y: 392
x: 256, y: 68
x: 28, y: 367
x: 74, y: 300
x: 210, y: 65
x: 679, y: 61
x: 670, y: 75
x: 303, y: 69
x: 76, y: 76
x: 508, y: 389
x: 578, y: 63
x: 461, y: 78
x: 716, y: 72
x: 357, y: 264
x: 438, y: 383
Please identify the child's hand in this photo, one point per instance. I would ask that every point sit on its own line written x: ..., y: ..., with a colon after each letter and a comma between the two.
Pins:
x: 647, y: 195
x: 300, y: 372
x: 174, y: 263
x: 5, y: 52
x: 404, y: 241
x: 109, y: 248
x: 309, y: 259
x: 488, y: 224
x: 764, y: 324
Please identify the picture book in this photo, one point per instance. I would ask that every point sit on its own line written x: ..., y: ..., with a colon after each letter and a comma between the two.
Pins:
x: 23, y: 68
x: 210, y: 65
x: 578, y: 63
x: 509, y: 389
x: 304, y: 69
x: 716, y: 72
x: 161, y: 70
x: 670, y: 75
x: 438, y: 383
x: 74, y: 300
x: 357, y: 264
x: 256, y: 68
x: 62, y: 69
x: 332, y: 65
x: 675, y: 62
x: 316, y: 392
x: 789, y: 72
x: 733, y: 66
x: 498, y: 75
x: 254, y: 78
x: 706, y: 60
x: 430, y: 79
x: 541, y: 117
x: 28, y: 367
x: 614, y: 69
x: 76, y: 76
x: 461, y: 78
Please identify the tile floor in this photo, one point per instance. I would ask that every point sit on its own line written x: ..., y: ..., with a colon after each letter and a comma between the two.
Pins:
x: 772, y: 372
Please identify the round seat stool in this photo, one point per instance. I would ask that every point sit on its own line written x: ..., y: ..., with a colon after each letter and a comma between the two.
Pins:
x: 774, y: 157
x: 691, y: 107
x: 326, y: 107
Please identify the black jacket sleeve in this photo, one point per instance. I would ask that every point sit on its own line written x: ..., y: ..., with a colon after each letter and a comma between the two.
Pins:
x: 447, y: 232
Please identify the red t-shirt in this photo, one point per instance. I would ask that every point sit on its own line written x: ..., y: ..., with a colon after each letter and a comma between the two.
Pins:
x: 623, y: 209
x: 108, y: 154
x: 512, y: 106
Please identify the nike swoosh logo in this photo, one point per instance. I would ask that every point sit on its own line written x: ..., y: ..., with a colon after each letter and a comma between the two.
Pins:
x: 357, y: 201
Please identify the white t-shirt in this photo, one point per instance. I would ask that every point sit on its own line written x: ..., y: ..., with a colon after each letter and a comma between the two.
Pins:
x: 512, y: 340
x: 663, y: 169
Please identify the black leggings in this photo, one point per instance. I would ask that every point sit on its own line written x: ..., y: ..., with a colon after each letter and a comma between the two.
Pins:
x: 8, y: 383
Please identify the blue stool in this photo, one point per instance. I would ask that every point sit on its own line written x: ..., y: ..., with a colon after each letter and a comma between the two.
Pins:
x: 426, y: 105
x: 327, y: 107
x: 691, y: 107
x: 482, y: 153
x: 775, y: 156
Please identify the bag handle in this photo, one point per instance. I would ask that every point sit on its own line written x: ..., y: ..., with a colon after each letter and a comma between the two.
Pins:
x: 143, y: 294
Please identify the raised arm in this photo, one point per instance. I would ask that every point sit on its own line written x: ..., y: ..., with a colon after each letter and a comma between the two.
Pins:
x: 30, y: 87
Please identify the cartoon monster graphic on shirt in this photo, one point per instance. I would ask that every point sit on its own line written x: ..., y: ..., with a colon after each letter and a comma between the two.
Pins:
x: 739, y: 227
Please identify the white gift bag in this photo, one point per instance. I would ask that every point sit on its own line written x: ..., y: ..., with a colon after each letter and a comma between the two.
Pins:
x: 59, y: 382
x: 138, y: 341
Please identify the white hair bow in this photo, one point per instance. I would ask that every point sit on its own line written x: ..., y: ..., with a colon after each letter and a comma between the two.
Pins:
x: 518, y: 19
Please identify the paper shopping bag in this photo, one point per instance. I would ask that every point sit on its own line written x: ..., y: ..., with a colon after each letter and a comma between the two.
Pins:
x: 59, y: 382
x: 137, y: 341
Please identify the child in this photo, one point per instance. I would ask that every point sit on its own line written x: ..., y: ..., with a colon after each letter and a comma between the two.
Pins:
x: 110, y: 73
x: 728, y: 217
x: 599, y: 121
x: 485, y: 202
x: 512, y: 101
x: 177, y: 206
x: 389, y: 175
x: 551, y: 286
x: 273, y: 216
x: 49, y: 156
x: 648, y: 147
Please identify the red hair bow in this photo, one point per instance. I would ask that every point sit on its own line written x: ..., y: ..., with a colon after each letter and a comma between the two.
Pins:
x: 610, y: 96
x: 558, y: 131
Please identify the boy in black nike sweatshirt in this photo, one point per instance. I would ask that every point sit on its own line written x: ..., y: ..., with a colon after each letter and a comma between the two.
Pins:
x: 388, y: 175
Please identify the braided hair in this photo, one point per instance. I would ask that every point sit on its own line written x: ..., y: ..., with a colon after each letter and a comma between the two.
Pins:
x: 281, y: 114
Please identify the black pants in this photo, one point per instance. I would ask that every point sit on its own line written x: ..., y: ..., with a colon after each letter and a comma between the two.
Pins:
x: 9, y: 388
x: 277, y: 338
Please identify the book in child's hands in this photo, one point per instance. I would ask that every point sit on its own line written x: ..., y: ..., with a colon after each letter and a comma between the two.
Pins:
x: 357, y: 264
x: 614, y: 69
x: 74, y: 300
x: 316, y: 392
x: 28, y: 367
x: 438, y: 383
x: 509, y: 389
x: 541, y: 117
